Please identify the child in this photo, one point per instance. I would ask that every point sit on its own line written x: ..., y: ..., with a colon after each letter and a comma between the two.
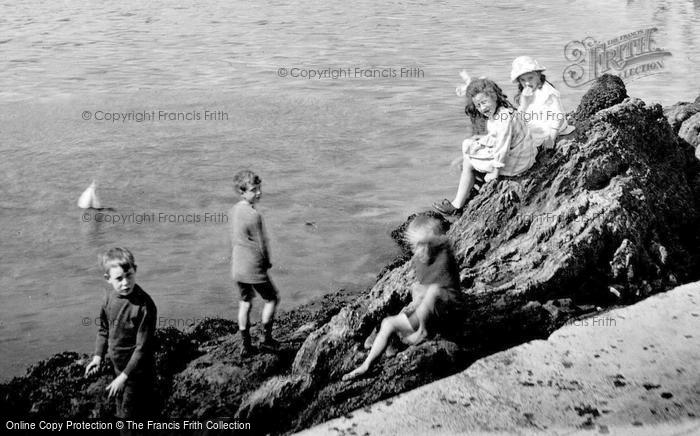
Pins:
x: 127, y: 328
x: 434, y: 294
x: 539, y: 102
x: 507, y: 148
x: 251, y: 260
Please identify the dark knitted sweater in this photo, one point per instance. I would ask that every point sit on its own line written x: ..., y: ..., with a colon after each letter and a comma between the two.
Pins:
x: 127, y: 328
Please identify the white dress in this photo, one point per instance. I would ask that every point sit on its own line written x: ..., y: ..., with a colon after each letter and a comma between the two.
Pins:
x: 507, y: 145
x: 544, y: 114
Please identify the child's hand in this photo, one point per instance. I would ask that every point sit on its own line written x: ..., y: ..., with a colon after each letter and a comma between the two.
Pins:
x: 117, y: 385
x: 548, y: 143
x: 417, y: 293
x: 493, y: 175
x: 469, y: 145
x: 93, y: 366
x: 416, y: 337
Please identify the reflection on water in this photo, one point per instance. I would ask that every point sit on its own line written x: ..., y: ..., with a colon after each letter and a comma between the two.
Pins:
x: 352, y: 156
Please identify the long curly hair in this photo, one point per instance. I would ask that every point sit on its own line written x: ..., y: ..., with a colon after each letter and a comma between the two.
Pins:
x: 490, y: 88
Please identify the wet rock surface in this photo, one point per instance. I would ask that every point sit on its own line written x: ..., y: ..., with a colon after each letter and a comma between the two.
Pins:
x: 690, y: 130
x: 609, y: 218
x: 602, y: 222
x: 198, y: 371
x: 678, y: 113
x: 613, y: 381
x: 57, y: 387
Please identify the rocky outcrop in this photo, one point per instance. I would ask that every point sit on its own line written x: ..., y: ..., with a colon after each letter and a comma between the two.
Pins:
x: 684, y: 118
x: 614, y: 380
x: 679, y: 112
x: 607, y: 91
x: 57, y: 387
x: 608, y: 218
x: 690, y: 130
x: 197, y: 371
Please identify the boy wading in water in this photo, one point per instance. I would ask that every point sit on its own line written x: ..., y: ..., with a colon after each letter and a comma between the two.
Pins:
x: 127, y: 328
x: 251, y: 260
x: 434, y: 294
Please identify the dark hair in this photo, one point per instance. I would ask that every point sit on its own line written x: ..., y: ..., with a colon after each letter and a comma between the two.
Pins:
x: 244, y: 179
x: 117, y: 256
x: 490, y: 88
x: 543, y: 80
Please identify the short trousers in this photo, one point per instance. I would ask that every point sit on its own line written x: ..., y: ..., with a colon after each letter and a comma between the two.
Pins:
x: 444, y: 314
x: 267, y: 291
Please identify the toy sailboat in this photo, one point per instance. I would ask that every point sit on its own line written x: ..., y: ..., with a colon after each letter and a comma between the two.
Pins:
x: 88, y: 199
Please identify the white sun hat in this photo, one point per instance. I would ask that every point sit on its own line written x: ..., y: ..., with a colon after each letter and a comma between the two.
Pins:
x: 522, y: 65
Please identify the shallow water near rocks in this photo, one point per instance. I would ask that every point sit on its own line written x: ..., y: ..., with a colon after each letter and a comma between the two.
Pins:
x: 342, y: 160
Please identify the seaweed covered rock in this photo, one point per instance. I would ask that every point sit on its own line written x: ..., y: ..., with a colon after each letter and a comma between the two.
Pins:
x: 607, y: 91
x: 214, y: 384
x: 211, y: 328
x: 57, y: 387
x: 610, y: 219
x: 49, y: 388
x: 198, y: 371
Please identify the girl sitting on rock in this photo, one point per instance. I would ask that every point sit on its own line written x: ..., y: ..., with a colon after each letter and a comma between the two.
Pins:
x: 507, y: 149
x: 434, y: 296
x: 539, y: 103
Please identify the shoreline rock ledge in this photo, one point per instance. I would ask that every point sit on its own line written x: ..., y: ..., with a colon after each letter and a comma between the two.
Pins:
x: 597, y: 375
x: 609, y: 218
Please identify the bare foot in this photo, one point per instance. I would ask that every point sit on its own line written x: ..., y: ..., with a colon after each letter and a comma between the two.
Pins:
x: 416, y: 337
x: 355, y: 373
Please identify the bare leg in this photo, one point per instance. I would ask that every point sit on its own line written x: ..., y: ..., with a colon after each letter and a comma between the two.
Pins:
x: 466, y: 183
x: 243, y: 312
x: 424, y: 314
x: 390, y: 325
x: 268, y: 313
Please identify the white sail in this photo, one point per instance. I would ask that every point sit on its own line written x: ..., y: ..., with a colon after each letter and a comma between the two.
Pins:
x: 88, y: 199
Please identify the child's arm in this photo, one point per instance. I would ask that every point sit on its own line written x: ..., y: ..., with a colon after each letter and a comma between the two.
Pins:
x: 417, y: 293
x: 502, y: 142
x: 144, y: 339
x: 261, y: 239
x: 100, y: 343
x: 424, y: 313
x: 556, y: 117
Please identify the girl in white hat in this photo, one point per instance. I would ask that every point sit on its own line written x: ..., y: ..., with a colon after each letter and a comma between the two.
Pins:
x: 538, y: 102
x: 507, y: 148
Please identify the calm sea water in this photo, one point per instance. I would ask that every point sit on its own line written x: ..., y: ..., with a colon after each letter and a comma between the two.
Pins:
x: 342, y: 160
